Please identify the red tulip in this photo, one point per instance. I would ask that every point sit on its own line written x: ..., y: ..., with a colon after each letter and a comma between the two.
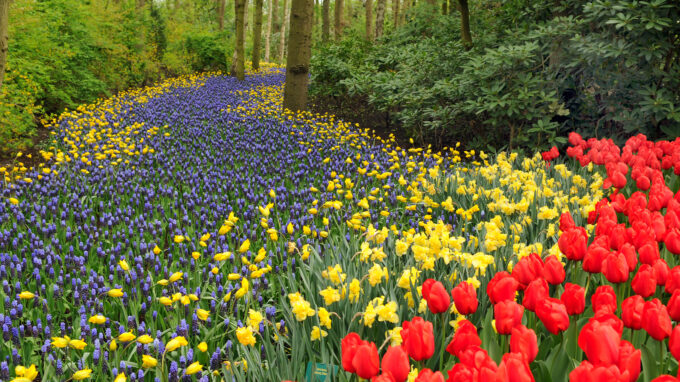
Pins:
x: 514, y: 368
x: 384, y: 377
x: 553, y: 314
x: 366, y: 361
x: 618, y: 180
x: 644, y: 282
x: 673, y: 280
x: 672, y: 241
x: 674, y: 342
x: 655, y: 320
x: 349, y: 346
x: 427, y: 375
x: 462, y: 373
x: 523, y: 341
x: 617, y: 237
x: 464, y: 337
x: 436, y: 296
x: 536, y: 291
x: 661, y: 271
x: 673, y: 305
x: 600, y: 342
x: 465, y: 298
x: 649, y: 253
x: 609, y: 319
x: 478, y: 359
x: 629, y: 360
x: 582, y: 373
x: 615, y: 268
x: 595, y: 255
x: 553, y: 270
x: 501, y: 287
x: 628, y: 252
x: 508, y: 314
x: 574, y: 298
x: 573, y: 243
x: 566, y: 222
x: 604, y: 299
x: 665, y: 378
x: 418, y: 339
x: 631, y: 311
x: 528, y: 269
x: 395, y: 361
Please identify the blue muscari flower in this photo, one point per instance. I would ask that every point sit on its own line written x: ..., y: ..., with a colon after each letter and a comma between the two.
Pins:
x: 4, y: 370
x: 172, y: 373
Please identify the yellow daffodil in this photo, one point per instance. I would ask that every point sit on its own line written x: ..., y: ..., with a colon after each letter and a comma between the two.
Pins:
x: 148, y: 361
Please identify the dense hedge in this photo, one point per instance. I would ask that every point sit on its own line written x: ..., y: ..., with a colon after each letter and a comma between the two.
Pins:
x: 536, y: 71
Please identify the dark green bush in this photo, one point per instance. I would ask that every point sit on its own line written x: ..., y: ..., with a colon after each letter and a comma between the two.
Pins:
x: 536, y: 71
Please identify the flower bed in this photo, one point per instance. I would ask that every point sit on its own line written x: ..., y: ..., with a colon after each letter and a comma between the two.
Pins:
x: 193, y: 231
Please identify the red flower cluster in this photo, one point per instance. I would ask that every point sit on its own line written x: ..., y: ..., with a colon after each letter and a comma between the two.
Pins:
x: 551, y: 154
x: 631, y: 228
x: 475, y: 363
x: 361, y: 357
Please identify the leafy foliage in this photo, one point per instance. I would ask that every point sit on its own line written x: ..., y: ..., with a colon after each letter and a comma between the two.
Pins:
x: 536, y: 71
x: 74, y: 52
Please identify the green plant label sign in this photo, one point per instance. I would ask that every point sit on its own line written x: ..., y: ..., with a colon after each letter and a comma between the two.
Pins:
x: 320, y: 372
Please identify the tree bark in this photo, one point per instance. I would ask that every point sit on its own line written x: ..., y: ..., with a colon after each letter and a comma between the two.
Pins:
x: 465, y: 24
x: 282, y: 45
x: 379, y: 18
x: 338, y: 19
x: 257, y: 34
x: 317, y: 18
x: 395, y: 13
x: 4, y: 37
x: 404, y: 10
x: 238, y: 69
x: 369, y: 20
x: 221, y: 4
x: 326, y: 21
x: 268, y: 35
x: 299, y: 54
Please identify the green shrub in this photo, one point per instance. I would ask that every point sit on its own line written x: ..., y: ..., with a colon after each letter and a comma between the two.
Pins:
x: 18, y: 108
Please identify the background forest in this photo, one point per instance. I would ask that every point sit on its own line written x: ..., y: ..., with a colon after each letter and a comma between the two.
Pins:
x: 525, y: 74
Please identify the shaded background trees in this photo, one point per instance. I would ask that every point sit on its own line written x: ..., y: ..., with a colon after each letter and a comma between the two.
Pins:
x: 510, y: 74
x: 503, y: 73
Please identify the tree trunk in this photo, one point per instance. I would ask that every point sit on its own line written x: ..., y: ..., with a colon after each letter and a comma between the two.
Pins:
x: 299, y: 54
x: 326, y: 21
x: 245, y: 20
x: 369, y: 20
x: 395, y: 13
x: 4, y: 37
x: 379, y: 18
x: 268, y: 35
x: 338, y: 19
x: 317, y: 19
x: 406, y: 5
x: 238, y: 69
x: 465, y: 24
x: 445, y: 7
x: 257, y: 34
x: 282, y: 45
x: 221, y: 4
